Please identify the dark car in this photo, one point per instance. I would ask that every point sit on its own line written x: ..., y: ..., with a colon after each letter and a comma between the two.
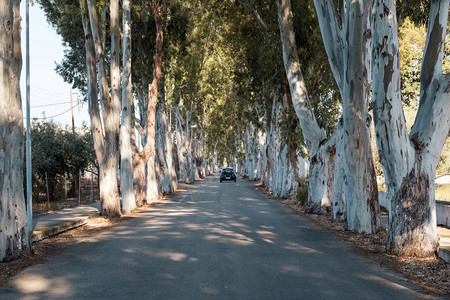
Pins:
x: 228, y: 174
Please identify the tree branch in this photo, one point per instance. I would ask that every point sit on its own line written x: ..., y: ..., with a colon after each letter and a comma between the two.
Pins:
x: 258, y: 18
x: 331, y: 28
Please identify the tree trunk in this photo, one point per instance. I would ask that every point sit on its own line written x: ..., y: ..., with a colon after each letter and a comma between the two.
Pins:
x: 14, y: 230
x: 111, y: 112
x: 94, y: 110
x: 312, y: 133
x: 338, y: 204
x: 314, y: 136
x: 189, y: 142
x: 169, y: 157
x: 273, y: 150
x: 360, y: 181
x: 409, y: 162
x: 181, y: 144
x: 150, y: 147
x: 138, y: 172
x: 126, y: 158
x: 164, y: 175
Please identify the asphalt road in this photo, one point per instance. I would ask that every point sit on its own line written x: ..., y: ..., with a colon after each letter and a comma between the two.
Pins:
x: 214, y: 241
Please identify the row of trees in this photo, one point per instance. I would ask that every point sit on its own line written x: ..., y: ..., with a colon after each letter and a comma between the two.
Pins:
x: 362, y: 46
x: 206, y: 83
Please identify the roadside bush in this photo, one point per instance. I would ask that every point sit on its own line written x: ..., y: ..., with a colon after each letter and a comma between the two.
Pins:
x: 57, y: 151
x: 302, y: 191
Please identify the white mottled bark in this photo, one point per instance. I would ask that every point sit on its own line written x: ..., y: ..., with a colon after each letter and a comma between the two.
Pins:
x: 312, y: 133
x: 190, y: 164
x: 409, y: 162
x: 150, y: 147
x: 361, y: 189
x: 346, y: 38
x: 14, y: 230
x: 181, y: 144
x: 164, y: 172
x: 93, y: 98
x: 251, y: 152
x: 109, y: 194
x: 314, y: 136
x: 321, y: 178
x: 338, y: 204
x: 333, y: 38
x: 126, y: 159
x: 262, y: 158
x: 169, y: 157
x: 272, y: 149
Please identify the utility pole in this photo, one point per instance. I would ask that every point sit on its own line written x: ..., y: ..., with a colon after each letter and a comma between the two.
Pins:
x: 28, y: 139
x: 71, y: 108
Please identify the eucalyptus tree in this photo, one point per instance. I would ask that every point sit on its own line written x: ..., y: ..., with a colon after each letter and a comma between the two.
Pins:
x: 126, y: 159
x: 70, y: 18
x: 110, y: 106
x: 350, y: 72
x: 15, y: 237
x: 409, y: 160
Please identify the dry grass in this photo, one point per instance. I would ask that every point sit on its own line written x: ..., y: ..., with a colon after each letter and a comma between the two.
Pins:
x: 442, y: 192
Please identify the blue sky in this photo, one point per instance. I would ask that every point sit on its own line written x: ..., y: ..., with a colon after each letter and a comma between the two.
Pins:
x: 49, y: 93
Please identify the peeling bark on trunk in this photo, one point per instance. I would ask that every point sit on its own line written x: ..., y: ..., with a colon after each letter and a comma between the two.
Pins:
x: 14, y: 230
x: 181, y: 144
x: 161, y: 129
x: 172, y: 173
x: 321, y: 165
x: 272, y: 148
x: 190, y: 164
x: 338, y: 204
x: 126, y: 159
x: 262, y: 159
x: 346, y: 38
x: 150, y: 147
x: 314, y: 136
x: 312, y: 133
x: 409, y: 162
x: 360, y: 182
x: 138, y: 172
x: 251, y: 152
x: 110, y: 200
x: 94, y: 109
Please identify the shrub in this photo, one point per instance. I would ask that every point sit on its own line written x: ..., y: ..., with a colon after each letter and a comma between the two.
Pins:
x: 302, y: 191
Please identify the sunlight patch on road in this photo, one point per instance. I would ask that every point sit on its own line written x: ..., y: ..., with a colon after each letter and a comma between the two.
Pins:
x: 301, y: 249
x: 32, y: 283
x: 224, y: 239
x: 382, y: 281
x: 233, y: 236
x: 290, y: 269
x: 209, y: 290
x: 171, y: 255
x: 267, y: 236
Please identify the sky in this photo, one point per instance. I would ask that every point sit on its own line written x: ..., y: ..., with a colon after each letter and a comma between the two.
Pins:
x: 49, y: 94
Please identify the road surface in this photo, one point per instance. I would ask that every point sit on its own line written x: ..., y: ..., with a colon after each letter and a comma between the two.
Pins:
x: 214, y: 241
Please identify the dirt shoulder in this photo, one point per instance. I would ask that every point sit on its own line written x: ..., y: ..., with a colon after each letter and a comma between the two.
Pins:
x: 57, y: 244
x: 432, y: 274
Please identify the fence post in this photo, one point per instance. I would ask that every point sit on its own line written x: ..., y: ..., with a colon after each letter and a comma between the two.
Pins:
x: 48, y: 194
x: 92, y: 185
x: 65, y: 187
x: 79, y: 187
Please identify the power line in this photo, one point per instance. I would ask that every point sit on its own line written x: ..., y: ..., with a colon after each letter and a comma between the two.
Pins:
x: 51, y: 117
x: 44, y: 105
x: 51, y: 92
